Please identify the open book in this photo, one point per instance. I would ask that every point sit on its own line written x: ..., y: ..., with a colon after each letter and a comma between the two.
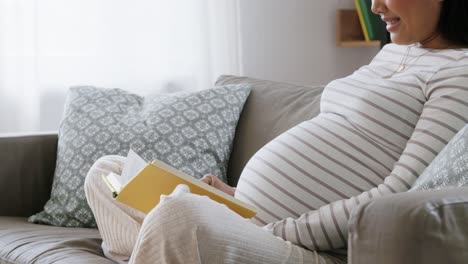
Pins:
x: 141, y: 185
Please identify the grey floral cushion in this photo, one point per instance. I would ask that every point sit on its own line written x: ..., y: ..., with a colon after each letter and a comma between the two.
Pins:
x: 449, y: 168
x: 190, y: 131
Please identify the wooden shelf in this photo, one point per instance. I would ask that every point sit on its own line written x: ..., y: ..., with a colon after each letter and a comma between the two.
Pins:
x: 358, y: 43
x: 349, y: 32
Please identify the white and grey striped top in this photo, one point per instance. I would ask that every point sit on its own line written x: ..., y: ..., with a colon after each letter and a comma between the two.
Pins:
x: 373, y: 137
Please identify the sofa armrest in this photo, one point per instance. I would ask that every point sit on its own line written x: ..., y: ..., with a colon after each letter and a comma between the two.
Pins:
x: 413, y: 227
x: 27, y: 165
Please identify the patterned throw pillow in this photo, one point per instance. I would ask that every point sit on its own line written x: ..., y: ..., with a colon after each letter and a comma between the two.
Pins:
x: 449, y: 168
x: 190, y: 131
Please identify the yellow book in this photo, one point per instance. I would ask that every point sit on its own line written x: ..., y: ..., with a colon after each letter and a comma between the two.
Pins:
x: 143, y: 190
x: 365, y: 30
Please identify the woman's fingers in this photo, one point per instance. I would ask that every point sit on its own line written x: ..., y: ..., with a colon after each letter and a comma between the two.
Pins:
x: 218, y: 184
x: 208, y: 179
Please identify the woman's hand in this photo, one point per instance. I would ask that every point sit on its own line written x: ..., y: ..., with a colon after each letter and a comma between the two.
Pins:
x: 218, y: 184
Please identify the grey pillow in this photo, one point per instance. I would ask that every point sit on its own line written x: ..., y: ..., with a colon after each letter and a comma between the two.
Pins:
x: 449, y: 168
x: 190, y: 131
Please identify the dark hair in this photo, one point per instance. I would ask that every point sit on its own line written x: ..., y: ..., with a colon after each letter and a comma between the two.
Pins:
x: 453, y: 21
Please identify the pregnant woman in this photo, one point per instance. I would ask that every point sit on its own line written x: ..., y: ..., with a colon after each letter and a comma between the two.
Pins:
x: 377, y: 130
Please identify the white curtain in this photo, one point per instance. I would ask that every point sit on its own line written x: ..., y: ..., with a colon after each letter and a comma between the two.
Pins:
x: 142, y: 46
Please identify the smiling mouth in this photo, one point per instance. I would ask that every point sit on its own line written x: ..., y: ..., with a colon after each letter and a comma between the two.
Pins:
x: 392, y: 23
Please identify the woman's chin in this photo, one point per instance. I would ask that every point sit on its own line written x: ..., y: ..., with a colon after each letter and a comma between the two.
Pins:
x: 399, y: 40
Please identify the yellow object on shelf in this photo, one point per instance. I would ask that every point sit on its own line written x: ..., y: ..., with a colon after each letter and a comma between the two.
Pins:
x: 365, y: 30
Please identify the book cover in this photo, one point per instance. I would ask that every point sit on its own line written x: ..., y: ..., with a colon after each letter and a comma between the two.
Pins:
x: 373, y: 22
x: 143, y: 190
x: 361, y: 20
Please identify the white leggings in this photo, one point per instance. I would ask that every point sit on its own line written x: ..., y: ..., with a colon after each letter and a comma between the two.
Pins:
x: 184, y: 228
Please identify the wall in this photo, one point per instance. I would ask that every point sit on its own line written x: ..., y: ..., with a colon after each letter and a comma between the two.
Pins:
x: 110, y: 43
x: 294, y: 41
x: 145, y: 46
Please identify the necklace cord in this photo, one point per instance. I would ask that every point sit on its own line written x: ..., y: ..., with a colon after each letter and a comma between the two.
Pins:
x: 406, y: 62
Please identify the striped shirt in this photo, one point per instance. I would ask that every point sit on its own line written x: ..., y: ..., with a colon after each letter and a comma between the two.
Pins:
x: 377, y: 131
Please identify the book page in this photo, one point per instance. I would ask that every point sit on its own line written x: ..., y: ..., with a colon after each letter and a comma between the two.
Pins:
x: 113, y: 181
x: 133, y: 165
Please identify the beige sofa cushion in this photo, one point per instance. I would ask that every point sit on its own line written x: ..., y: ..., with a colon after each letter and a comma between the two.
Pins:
x: 271, y: 109
x: 23, y: 242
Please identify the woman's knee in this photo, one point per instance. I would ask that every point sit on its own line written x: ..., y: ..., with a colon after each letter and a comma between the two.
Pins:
x: 182, y: 213
x: 103, y: 166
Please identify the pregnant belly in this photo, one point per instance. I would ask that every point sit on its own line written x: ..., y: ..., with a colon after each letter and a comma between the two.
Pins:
x: 316, y: 162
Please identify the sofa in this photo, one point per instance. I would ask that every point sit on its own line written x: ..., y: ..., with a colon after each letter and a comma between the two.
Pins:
x: 416, y: 227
